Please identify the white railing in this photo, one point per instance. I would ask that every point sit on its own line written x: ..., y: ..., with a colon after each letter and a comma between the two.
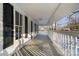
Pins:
x: 66, y: 43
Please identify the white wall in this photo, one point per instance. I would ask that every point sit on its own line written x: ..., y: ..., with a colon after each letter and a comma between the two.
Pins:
x: 1, y: 27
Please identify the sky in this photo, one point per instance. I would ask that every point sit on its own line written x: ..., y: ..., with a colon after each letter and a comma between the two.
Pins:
x: 63, y: 22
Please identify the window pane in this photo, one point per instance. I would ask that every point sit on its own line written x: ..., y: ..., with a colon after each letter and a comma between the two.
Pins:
x: 20, y: 20
x: 20, y: 32
x: 17, y: 33
x: 35, y: 27
x: 26, y: 26
x: 8, y: 14
x: 31, y: 26
x: 17, y: 18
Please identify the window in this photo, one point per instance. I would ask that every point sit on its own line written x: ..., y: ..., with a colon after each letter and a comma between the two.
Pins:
x: 26, y: 26
x: 18, y: 25
x: 31, y: 26
x: 35, y: 27
x: 7, y: 25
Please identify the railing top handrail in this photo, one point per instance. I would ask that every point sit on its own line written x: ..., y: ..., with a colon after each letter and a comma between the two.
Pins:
x: 71, y: 33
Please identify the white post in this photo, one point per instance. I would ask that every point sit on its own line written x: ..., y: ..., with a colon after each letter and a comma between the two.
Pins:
x: 76, y: 45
